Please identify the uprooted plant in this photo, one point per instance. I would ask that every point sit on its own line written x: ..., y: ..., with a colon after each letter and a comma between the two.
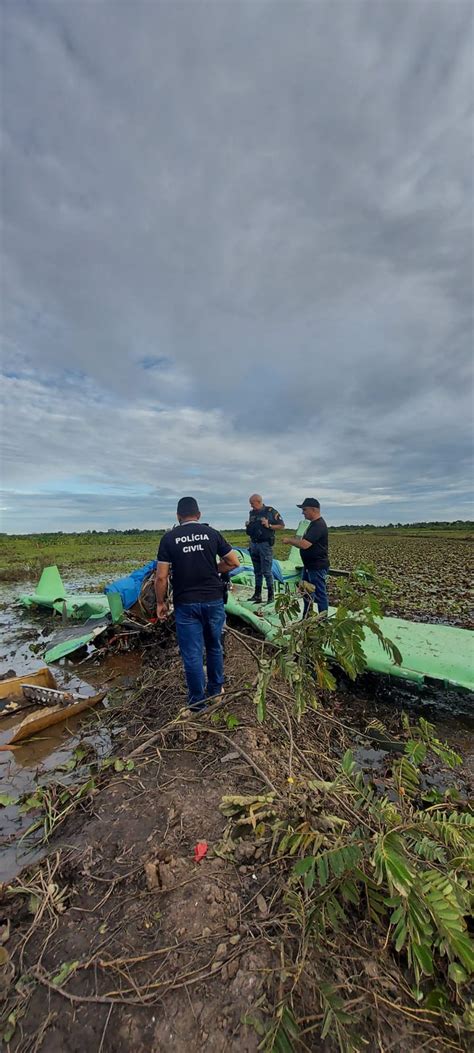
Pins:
x: 387, y: 872
x: 375, y: 899
x: 306, y: 649
x: 404, y: 866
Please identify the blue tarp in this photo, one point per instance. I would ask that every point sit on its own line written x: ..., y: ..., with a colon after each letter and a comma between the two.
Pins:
x: 245, y: 561
x: 129, y: 587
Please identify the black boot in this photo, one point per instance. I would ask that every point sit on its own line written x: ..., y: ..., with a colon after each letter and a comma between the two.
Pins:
x: 271, y: 596
x: 256, y: 598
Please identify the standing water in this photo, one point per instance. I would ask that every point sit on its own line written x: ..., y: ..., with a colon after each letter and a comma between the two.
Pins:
x: 49, y: 757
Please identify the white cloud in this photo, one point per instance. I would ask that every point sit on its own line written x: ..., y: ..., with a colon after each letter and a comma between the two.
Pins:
x: 242, y: 235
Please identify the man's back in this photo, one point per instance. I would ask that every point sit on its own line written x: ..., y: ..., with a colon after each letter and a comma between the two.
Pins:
x: 191, y: 548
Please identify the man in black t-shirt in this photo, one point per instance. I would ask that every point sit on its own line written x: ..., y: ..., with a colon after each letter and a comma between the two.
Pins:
x: 261, y: 525
x: 191, y: 550
x: 314, y: 552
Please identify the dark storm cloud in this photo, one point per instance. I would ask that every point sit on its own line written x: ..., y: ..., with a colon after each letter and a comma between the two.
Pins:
x: 242, y: 234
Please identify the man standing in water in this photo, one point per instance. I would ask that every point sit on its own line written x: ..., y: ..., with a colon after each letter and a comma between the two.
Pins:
x: 191, y: 550
x: 314, y: 552
x: 261, y: 525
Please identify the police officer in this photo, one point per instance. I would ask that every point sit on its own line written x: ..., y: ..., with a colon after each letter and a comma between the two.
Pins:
x: 261, y: 525
x: 199, y: 557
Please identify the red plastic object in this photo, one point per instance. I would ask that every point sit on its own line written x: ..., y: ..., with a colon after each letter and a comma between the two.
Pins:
x: 200, y: 851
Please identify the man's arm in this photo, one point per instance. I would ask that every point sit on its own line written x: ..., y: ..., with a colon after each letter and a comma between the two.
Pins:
x: 276, y: 522
x: 298, y: 542
x: 315, y: 530
x: 273, y: 526
x: 161, y: 586
x: 228, y: 562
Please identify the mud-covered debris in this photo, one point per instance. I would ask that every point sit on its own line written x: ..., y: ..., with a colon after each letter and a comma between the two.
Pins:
x: 152, y: 877
x: 172, y: 873
x: 232, y: 968
x: 233, y: 755
x: 245, y: 850
x: 4, y: 930
x: 9, y: 673
x: 7, y: 971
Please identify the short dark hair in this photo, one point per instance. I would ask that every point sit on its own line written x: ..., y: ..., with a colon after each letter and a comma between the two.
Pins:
x: 187, y: 506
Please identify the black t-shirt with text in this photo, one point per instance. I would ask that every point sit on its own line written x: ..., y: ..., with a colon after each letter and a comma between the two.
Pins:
x: 316, y: 557
x: 191, y: 549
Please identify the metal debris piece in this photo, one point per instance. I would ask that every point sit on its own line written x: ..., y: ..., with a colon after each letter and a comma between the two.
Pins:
x: 46, y: 696
x: 230, y: 757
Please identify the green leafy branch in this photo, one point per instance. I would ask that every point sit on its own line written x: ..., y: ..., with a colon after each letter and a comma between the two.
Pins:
x: 309, y: 647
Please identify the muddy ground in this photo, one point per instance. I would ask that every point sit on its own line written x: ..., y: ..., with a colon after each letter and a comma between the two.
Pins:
x: 121, y: 942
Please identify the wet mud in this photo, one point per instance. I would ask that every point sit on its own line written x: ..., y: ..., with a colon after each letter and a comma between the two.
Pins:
x: 24, y: 636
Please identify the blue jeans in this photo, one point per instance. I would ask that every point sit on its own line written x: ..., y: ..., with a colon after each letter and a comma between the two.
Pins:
x: 318, y: 579
x: 262, y: 559
x: 199, y: 626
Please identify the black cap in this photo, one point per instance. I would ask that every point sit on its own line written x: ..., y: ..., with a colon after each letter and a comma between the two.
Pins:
x: 310, y: 502
x: 187, y: 506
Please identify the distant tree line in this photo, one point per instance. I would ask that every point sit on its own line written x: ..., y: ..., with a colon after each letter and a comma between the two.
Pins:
x: 436, y: 524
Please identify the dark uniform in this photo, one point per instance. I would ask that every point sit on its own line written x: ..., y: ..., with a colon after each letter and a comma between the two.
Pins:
x: 191, y: 550
x: 262, y: 539
x: 316, y: 563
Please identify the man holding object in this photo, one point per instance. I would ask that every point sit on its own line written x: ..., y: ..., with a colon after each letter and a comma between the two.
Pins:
x: 261, y: 525
x: 314, y: 552
x: 191, y: 550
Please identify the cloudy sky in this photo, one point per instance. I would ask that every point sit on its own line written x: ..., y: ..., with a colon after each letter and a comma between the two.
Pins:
x: 237, y: 256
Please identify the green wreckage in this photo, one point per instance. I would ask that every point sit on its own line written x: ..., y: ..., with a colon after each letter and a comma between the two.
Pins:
x: 430, y: 653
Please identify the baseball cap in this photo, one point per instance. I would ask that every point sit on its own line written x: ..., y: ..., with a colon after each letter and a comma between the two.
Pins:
x: 310, y: 502
x: 187, y: 506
